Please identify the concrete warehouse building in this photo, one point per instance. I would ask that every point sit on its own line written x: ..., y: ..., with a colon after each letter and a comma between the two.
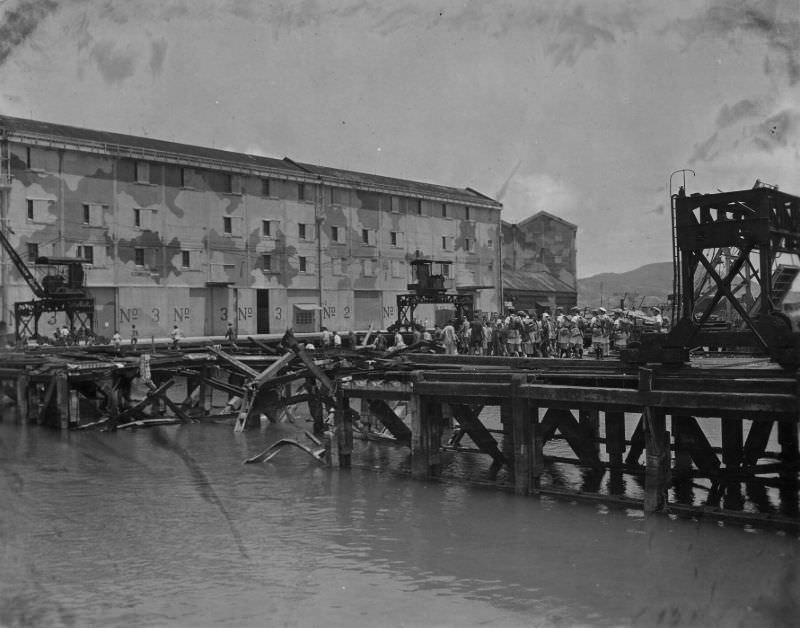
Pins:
x: 539, y: 263
x: 178, y: 234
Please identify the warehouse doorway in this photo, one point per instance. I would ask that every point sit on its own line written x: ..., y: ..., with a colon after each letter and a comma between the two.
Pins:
x: 262, y: 311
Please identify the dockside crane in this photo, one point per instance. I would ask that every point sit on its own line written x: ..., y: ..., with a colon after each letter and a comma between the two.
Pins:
x: 430, y: 287
x: 54, y: 293
x: 729, y: 252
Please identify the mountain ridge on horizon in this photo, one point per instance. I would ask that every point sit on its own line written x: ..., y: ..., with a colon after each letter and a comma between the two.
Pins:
x: 648, y: 284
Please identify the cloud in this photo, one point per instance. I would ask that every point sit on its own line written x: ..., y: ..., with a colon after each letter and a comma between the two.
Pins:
x: 778, y: 131
x: 18, y: 24
x: 704, y: 151
x: 746, y: 108
x: 158, y: 50
x: 115, y: 65
x: 526, y: 195
x: 775, y: 22
x: 575, y: 35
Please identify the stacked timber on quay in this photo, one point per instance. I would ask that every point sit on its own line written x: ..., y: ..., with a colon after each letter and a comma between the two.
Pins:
x: 436, y: 406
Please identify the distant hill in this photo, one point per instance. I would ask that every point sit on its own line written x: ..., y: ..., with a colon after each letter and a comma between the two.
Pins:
x: 652, y: 282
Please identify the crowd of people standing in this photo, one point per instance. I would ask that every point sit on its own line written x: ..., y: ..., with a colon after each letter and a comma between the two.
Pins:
x: 520, y: 333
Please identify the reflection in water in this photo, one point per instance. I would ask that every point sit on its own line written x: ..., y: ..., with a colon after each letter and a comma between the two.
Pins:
x: 123, y: 529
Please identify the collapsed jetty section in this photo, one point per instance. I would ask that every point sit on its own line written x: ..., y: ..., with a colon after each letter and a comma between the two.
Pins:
x: 714, y: 437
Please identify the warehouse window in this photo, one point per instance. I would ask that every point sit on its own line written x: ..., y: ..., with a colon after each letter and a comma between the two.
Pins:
x: 337, y: 234
x: 303, y: 316
x: 466, y: 213
x: 30, y: 209
x: 368, y: 267
x: 87, y: 214
x: 137, y: 217
x: 186, y: 177
x: 266, y: 263
x: 142, y: 172
x: 419, y: 207
x: 86, y: 253
x: 185, y: 259
x: 444, y: 210
x: 490, y: 244
x: 33, y: 251
x: 266, y: 228
x: 301, y: 231
x: 398, y: 268
x: 469, y: 245
x: 301, y: 191
x: 444, y: 242
x: 231, y: 183
x: 302, y: 264
x: 227, y: 225
x: 265, y: 191
x: 138, y: 257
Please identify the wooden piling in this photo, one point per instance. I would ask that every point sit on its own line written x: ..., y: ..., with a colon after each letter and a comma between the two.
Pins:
x: 657, y: 448
x: 615, y: 437
x: 589, y: 420
x: 732, y: 442
x: 62, y: 400
x: 521, y: 437
x: 537, y: 453
x: 419, y: 457
x: 23, y: 382
x: 507, y: 444
x: 788, y: 440
x: 343, y: 430
x: 683, y: 457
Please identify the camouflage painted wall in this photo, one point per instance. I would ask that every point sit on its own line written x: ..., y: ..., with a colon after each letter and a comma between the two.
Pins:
x: 170, y: 244
x: 541, y: 242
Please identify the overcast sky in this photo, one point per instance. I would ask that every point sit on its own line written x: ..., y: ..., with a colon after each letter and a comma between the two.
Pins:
x: 581, y: 109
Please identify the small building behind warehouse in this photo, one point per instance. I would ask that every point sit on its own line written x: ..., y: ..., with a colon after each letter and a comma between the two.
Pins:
x: 539, y: 263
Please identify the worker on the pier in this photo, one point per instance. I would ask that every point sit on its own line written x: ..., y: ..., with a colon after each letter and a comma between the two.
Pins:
x: 399, y: 343
x: 288, y: 342
x: 134, y: 336
x: 659, y: 321
x: 449, y: 339
x: 116, y: 340
x: 315, y: 408
x: 175, y: 334
x: 327, y: 338
x: 575, y: 338
x: 514, y: 341
x: 476, y: 337
x: 230, y: 334
x: 621, y: 331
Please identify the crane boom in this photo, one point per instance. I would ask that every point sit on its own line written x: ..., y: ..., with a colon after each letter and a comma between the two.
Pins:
x: 22, y: 267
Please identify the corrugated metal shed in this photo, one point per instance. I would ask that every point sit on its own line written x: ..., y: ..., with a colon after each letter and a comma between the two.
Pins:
x: 533, y: 281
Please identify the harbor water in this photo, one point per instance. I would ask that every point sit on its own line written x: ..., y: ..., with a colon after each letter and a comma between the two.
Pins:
x: 167, y: 527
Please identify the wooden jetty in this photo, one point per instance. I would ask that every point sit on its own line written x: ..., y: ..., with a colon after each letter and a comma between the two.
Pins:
x: 435, y: 406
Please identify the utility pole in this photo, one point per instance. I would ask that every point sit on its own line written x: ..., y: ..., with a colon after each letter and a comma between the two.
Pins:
x: 676, y: 254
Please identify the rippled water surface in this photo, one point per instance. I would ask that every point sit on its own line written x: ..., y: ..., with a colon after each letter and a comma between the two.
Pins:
x: 166, y: 526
